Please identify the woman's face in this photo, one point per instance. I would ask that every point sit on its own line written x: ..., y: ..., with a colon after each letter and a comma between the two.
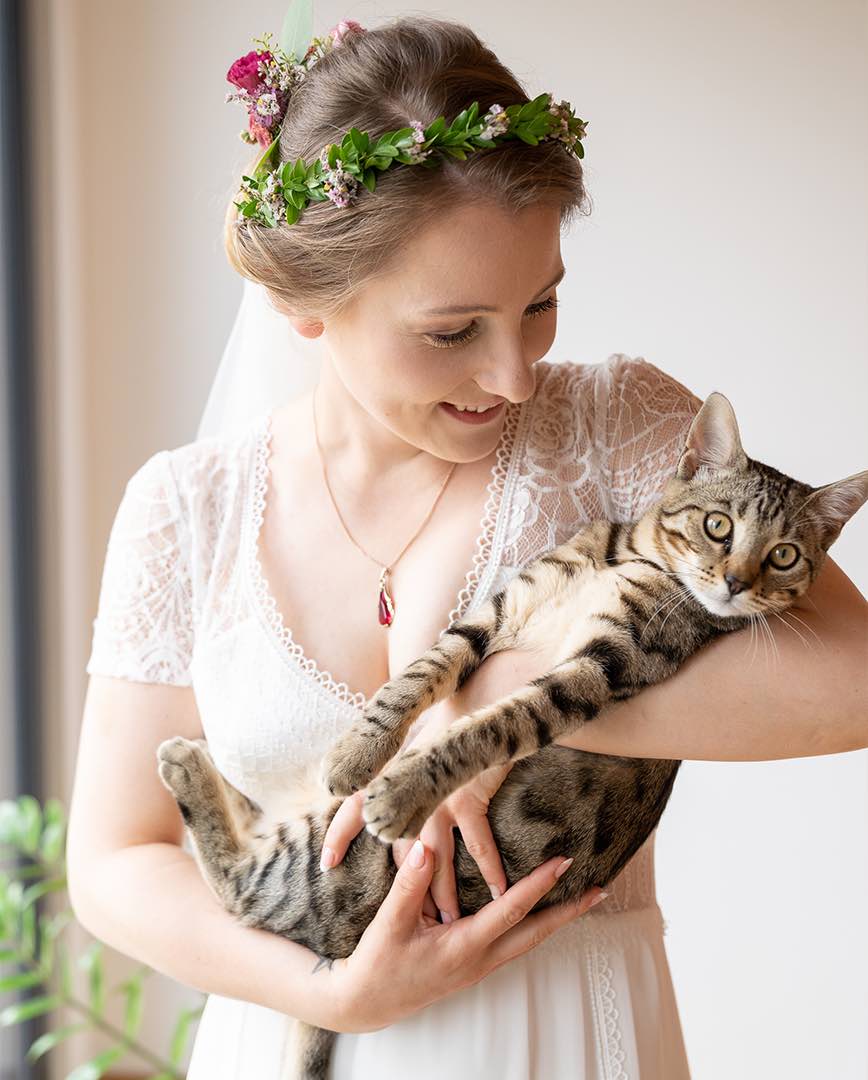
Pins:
x: 399, y: 355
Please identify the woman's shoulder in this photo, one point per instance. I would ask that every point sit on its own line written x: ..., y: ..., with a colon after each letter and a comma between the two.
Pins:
x: 194, y: 477
x: 614, y: 400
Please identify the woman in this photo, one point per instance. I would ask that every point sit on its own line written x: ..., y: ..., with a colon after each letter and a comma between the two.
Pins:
x: 247, y: 570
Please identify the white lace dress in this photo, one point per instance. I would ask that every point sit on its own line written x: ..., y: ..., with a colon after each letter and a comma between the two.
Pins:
x: 184, y: 601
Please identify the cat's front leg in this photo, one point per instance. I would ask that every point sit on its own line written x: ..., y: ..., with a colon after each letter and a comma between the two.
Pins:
x: 376, y: 737
x: 399, y: 802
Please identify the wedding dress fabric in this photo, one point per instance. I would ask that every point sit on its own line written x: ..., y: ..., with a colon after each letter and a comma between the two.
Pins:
x: 184, y: 601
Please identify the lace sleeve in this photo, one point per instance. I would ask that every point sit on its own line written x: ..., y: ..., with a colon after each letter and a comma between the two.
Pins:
x: 642, y: 416
x: 144, y: 629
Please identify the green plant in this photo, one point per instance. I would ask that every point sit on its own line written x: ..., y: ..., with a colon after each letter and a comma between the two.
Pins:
x: 32, y: 866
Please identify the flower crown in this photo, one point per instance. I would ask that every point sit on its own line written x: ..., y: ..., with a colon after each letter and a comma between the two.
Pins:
x: 276, y: 192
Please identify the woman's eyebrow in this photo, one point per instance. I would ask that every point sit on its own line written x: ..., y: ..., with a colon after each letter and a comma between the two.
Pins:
x: 469, y: 309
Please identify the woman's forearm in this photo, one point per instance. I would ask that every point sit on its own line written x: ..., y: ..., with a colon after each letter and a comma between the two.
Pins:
x: 150, y: 902
x: 738, y: 699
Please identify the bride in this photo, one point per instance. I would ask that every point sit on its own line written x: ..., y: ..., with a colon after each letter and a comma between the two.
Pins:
x: 337, y: 512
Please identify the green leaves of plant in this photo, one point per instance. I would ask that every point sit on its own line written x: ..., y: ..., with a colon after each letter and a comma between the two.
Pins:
x: 297, y: 29
x: 32, y: 840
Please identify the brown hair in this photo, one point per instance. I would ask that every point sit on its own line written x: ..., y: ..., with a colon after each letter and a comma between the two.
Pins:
x: 414, y: 68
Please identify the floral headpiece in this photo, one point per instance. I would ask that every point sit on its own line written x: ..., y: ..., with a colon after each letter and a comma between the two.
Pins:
x: 279, y: 192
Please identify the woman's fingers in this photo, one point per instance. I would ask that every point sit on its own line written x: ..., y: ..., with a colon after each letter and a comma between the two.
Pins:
x: 502, y: 917
x: 344, y: 827
x: 437, y: 835
x: 401, y: 909
x: 479, y: 841
x: 533, y: 930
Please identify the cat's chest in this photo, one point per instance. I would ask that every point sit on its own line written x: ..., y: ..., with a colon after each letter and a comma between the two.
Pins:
x: 563, y: 620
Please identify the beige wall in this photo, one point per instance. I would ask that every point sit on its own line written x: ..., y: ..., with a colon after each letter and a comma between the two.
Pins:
x: 726, y: 155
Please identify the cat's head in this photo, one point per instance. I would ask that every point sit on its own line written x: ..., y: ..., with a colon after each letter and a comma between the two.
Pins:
x: 744, y: 538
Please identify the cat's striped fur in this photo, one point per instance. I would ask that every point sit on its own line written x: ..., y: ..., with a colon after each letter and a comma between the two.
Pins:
x: 618, y: 607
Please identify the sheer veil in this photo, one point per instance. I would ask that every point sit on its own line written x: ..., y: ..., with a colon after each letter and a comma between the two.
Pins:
x: 264, y: 363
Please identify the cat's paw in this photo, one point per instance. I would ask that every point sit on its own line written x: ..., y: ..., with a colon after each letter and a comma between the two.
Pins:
x: 187, y: 770
x: 399, y: 802
x: 358, y: 755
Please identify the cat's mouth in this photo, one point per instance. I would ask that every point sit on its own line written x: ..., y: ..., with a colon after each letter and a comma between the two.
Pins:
x: 719, y: 602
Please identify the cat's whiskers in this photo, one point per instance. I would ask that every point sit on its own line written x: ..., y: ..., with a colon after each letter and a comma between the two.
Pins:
x: 807, y: 626
x: 675, y: 608
x: 780, y: 616
x: 680, y: 595
x: 767, y: 630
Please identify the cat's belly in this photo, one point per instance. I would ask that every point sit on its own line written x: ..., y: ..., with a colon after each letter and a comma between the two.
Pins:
x: 563, y: 624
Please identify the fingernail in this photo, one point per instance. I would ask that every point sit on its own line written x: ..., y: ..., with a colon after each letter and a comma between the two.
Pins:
x: 597, y: 899
x: 565, y: 865
x: 446, y: 917
x: 496, y: 892
x: 327, y: 859
x: 417, y: 854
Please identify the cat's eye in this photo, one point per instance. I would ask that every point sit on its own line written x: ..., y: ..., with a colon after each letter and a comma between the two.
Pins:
x: 783, y: 556
x: 717, y: 525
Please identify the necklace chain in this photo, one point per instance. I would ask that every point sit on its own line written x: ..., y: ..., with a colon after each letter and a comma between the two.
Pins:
x: 386, y: 604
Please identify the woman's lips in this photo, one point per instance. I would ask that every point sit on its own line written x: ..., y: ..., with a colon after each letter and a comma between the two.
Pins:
x: 473, y: 417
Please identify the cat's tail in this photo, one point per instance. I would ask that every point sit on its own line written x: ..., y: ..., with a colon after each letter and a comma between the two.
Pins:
x: 307, y: 1053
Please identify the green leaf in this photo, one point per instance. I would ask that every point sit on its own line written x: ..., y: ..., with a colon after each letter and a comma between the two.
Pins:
x: 91, y: 962
x: 41, y: 888
x: 9, y: 956
x: 436, y: 128
x: 94, y: 1069
x: 28, y: 931
x: 525, y: 137
x: 50, y: 1039
x: 51, y: 845
x: 21, y: 981
x: 292, y: 214
x: 25, y: 1010
x: 369, y: 179
x: 29, y: 823
x: 8, y: 823
x: 455, y: 152
x: 297, y: 29
x: 181, y: 1032
x: 360, y: 140
x: 333, y: 152
x: 65, y: 972
x: 132, y: 989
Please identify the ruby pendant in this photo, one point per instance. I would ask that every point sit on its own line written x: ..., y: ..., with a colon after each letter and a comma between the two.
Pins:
x: 386, y: 606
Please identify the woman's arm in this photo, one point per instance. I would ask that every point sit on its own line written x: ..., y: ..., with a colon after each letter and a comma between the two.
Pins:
x: 737, y: 699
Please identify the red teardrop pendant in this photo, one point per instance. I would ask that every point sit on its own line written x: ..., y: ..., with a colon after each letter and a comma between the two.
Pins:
x: 386, y: 606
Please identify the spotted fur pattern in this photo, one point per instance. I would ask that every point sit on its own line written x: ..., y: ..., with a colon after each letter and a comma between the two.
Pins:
x: 619, y: 607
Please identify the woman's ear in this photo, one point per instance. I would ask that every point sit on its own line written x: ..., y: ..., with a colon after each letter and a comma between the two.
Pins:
x: 309, y: 328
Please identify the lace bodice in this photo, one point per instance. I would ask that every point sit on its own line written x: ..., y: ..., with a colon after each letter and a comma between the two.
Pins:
x: 183, y: 599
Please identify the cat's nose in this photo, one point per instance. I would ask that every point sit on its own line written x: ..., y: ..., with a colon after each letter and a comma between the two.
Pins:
x: 735, y: 585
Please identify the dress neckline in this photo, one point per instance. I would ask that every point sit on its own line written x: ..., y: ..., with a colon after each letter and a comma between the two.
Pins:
x: 263, y: 599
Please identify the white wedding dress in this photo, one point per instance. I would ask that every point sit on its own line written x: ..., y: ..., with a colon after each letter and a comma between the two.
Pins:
x: 184, y: 601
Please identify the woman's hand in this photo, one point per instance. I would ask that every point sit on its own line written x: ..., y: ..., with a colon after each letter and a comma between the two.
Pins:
x: 467, y: 808
x: 405, y: 960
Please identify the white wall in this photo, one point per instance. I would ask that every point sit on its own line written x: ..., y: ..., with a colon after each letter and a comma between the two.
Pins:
x: 726, y: 156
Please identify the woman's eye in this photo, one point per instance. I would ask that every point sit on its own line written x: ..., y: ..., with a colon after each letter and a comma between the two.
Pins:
x: 783, y: 556
x: 445, y: 340
x: 717, y: 525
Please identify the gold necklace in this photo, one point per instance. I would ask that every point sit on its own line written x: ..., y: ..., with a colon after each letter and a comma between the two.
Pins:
x: 385, y: 602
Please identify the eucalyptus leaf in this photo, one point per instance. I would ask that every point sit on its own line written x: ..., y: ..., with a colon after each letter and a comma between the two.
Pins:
x: 297, y: 29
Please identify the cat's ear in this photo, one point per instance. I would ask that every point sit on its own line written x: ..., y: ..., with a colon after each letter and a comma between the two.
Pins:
x: 832, y: 505
x: 713, y: 439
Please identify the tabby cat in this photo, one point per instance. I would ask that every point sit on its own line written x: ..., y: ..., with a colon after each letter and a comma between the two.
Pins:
x: 619, y: 607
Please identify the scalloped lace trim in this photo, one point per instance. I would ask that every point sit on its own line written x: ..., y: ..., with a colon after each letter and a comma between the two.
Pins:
x: 266, y: 601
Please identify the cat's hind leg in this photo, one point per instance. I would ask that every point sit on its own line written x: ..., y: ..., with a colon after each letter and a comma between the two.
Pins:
x: 219, y: 817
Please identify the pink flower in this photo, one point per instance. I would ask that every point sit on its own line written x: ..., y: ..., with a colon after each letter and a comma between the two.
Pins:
x: 263, y: 135
x: 339, y: 32
x: 245, y: 71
